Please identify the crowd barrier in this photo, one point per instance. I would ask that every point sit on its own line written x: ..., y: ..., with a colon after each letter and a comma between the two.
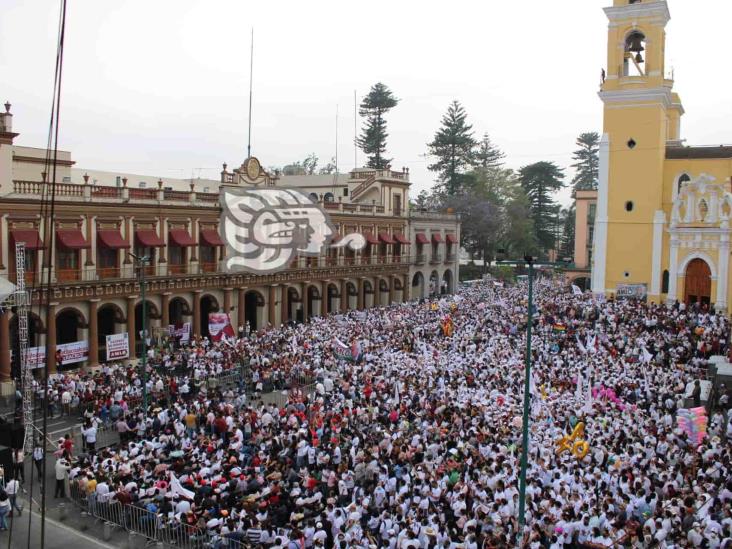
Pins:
x: 143, y: 522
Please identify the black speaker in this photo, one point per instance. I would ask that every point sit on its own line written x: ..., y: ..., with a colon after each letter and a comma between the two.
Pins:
x: 6, y: 461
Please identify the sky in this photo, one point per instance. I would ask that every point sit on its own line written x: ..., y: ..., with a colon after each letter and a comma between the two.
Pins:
x: 161, y: 87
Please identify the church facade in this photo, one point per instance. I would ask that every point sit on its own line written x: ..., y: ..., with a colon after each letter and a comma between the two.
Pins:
x: 662, y: 225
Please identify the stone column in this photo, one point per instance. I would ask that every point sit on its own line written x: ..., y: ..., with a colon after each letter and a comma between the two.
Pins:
x: 377, y: 292
x: 723, y: 272
x: 360, y: 298
x: 284, y: 305
x: 51, y: 338
x: 227, y: 300
x: 271, y: 305
x: 324, y: 298
x: 304, y: 295
x: 93, y: 335
x: 131, y: 330
x: 241, y: 309
x: 673, y: 273
x: 5, y: 368
x: 165, y: 310
x: 343, y: 302
x: 391, y: 290
x: 406, y: 285
x: 196, y: 325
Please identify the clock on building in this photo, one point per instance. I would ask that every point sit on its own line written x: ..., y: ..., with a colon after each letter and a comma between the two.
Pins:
x: 252, y: 168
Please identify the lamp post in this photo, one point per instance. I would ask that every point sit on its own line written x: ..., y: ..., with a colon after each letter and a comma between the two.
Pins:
x: 140, y: 263
x: 527, y: 400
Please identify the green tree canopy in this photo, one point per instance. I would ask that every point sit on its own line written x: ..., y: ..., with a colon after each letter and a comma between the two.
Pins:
x: 453, y: 146
x: 372, y: 141
x: 487, y: 155
x: 540, y: 181
x: 587, y: 162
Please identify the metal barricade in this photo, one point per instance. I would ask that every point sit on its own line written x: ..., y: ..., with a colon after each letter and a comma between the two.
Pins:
x: 78, y: 496
x: 144, y: 522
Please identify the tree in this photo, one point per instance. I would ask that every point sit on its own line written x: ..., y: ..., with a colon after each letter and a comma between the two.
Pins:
x: 372, y: 141
x: 310, y: 163
x: 540, y: 181
x: 480, y: 223
x: 587, y: 162
x: 329, y: 168
x: 567, y: 217
x: 487, y: 155
x: 453, y: 146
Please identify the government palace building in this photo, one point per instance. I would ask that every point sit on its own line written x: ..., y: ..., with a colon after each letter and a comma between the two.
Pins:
x: 662, y: 219
x: 102, y: 219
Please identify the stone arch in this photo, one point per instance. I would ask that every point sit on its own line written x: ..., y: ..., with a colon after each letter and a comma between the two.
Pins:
x: 178, y: 307
x: 253, y: 306
x: 448, y: 282
x: 351, y: 295
x: 418, y: 285
x: 698, y: 282
x: 312, y: 295
x: 434, y: 284
x: 293, y: 305
x: 69, y: 321
x: 698, y: 255
x: 329, y: 304
x: 678, y: 183
x: 209, y: 304
x: 368, y: 294
x: 109, y: 318
x: 634, y: 45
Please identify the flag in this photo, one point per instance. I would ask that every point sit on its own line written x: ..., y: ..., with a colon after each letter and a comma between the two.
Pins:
x: 177, y: 488
x: 344, y: 352
x: 580, y: 345
x: 576, y: 290
x: 646, y: 358
x: 559, y: 327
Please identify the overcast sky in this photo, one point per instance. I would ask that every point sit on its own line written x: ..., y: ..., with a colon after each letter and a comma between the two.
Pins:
x: 160, y: 87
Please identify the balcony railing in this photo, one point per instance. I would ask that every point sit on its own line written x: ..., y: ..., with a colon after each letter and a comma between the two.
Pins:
x: 207, y: 267
x: 107, y: 272
x: 419, y: 259
x: 436, y: 258
x: 450, y: 258
x: 68, y: 275
x: 180, y: 268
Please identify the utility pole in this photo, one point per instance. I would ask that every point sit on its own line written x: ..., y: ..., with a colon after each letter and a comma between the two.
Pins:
x: 527, y: 402
x: 141, y: 262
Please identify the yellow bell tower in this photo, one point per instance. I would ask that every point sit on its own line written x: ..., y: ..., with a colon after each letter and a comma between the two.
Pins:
x: 641, y: 116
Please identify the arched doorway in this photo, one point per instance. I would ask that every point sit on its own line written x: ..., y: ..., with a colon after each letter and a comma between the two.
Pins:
x: 294, y: 305
x: 352, y: 295
x: 68, y: 324
x: 383, y: 292
x: 177, y: 309
x: 333, y: 295
x: 209, y: 304
x: 434, y: 284
x: 368, y: 294
x: 313, y: 297
x: 698, y: 282
x: 151, y: 313
x: 418, y: 285
x: 108, y: 316
x: 583, y: 283
x: 447, y: 282
x: 253, y: 300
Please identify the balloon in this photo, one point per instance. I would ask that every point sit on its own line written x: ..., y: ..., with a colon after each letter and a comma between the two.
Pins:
x: 574, y: 442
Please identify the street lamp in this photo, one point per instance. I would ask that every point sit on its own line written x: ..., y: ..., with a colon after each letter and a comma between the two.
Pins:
x: 527, y: 400
x: 140, y: 263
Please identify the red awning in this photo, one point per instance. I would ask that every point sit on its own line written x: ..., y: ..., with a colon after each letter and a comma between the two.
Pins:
x: 110, y: 238
x: 180, y: 237
x: 211, y: 237
x: 71, y: 239
x: 370, y: 238
x: 451, y: 238
x: 436, y: 238
x: 386, y: 237
x: 422, y: 239
x: 29, y: 236
x: 399, y: 237
x: 149, y: 238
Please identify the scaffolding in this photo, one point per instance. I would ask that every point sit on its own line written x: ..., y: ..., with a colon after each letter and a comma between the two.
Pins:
x: 21, y: 302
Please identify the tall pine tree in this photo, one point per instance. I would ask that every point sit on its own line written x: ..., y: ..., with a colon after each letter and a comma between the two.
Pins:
x: 487, y: 155
x: 540, y: 181
x: 453, y: 146
x: 587, y: 162
x: 372, y: 141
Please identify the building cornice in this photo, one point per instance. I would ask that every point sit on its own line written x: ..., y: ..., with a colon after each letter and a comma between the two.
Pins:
x: 664, y: 96
x: 639, y: 10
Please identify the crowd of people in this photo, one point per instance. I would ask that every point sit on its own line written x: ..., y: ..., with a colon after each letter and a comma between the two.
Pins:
x: 415, y: 441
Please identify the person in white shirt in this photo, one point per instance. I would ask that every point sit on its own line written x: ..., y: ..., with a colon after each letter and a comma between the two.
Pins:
x: 12, y: 488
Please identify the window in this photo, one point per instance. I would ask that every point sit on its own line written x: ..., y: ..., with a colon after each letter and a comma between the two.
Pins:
x: 328, y: 197
x: 67, y: 179
x: 397, y: 204
x: 591, y: 213
x: 106, y: 258
x: 313, y: 197
x: 664, y: 282
x: 629, y: 206
x: 143, y: 184
x: 176, y: 255
x: 345, y: 191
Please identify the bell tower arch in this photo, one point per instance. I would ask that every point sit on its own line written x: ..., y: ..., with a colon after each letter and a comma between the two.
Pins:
x: 641, y: 116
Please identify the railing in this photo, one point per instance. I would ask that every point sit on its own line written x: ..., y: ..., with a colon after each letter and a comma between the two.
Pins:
x: 68, y: 275
x: 436, y: 258
x: 143, y: 194
x: 207, y: 197
x: 106, y: 192
x: 438, y: 216
x: 450, y: 258
x: 419, y: 259
x: 175, y: 195
x: 363, y: 186
x: 207, y: 267
x: 177, y: 268
x: 107, y: 272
